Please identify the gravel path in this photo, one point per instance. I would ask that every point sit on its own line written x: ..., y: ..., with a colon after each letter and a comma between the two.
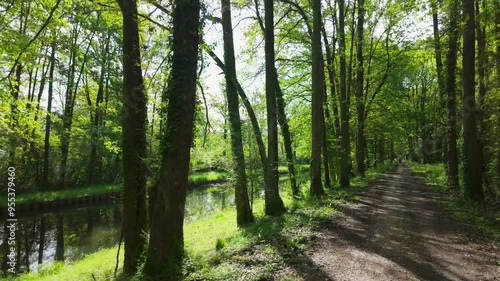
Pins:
x: 400, y: 231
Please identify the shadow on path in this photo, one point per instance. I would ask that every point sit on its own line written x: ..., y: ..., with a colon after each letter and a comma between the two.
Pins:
x: 400, y: 231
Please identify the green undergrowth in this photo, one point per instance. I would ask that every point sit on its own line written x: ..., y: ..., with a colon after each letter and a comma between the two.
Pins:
x: 482, y: 217
x: 271, y: 248
x: 44, y: 196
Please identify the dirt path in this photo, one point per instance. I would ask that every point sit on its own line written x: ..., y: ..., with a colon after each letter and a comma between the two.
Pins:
x: 400, y: 231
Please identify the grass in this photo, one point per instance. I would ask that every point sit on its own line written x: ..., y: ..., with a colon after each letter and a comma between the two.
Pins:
x: 201, y: 178
x: 218, y: 250
x: 45, y: 196
x: 482, y: 217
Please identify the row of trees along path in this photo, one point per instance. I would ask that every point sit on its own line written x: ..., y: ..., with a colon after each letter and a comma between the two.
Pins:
x: 101, y: 92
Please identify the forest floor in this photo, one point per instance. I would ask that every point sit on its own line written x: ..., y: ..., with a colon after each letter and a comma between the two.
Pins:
x: 399, y: 230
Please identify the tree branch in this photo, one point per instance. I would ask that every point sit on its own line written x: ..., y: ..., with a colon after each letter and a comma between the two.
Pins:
x: 42, y: 28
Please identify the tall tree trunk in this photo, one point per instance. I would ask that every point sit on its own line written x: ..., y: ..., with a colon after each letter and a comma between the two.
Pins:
x: 243, y: 211
x: 95, y: 162
x: 344, y: 104
x: 166, y: 240
x: 134, y: 141
x: 484, y: 108
x: 282, y: 120
x: 473, y: 180
x: 317, y: 73
x: 287, y: 137
x: 360, y: 105
x: 330, y: 59
x: 497, y: 59
x: 451, y: 60
x: 442, y: 142
x: 273, y: 203
x: 69, y: 104
x: 327, y: 159
x: 46, y: 150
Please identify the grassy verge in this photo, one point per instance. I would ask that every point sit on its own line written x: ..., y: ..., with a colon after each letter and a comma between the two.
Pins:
x: 23, y: 198
x: 272, y: 247
x: 483, y: 217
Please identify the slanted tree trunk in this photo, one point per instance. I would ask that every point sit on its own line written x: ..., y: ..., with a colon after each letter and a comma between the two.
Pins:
x: 344, y: 104
x: 360, y: 104
x: 166, y: 242
x: 134, y: 141
x: 273, y: 203
x: 317, y: 73
x: 243, y: 211
x: 46, y: 149
x: 451, y: 61
x: 473, y: 179
x: 251, y: 113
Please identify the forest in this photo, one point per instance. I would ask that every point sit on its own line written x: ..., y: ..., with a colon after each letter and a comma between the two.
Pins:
x: 250, y: 140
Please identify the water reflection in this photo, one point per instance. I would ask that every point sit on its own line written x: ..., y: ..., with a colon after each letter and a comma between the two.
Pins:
x: 71, y: 235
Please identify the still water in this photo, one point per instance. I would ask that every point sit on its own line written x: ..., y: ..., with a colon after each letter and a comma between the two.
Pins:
x: 71, y: 235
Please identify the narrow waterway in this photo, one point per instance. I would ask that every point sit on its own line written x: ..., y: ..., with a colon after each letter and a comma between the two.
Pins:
x: 72, y: 234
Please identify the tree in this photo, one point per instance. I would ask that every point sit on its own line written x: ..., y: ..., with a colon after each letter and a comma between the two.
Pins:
x: 451, y: 61
x: 473, y: 181
x: 134, y: 141
x: 344, y: 104
x: 439, y: 72
x: 280, y: 103
x: 273, y: 203
x: 318, y: 79
x: 166, y: 241
x: 360, y: 106
x: 46, y: 150
x: 243, y: 211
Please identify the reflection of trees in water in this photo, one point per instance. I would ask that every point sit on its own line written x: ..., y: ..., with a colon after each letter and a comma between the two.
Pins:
x: 204, y: 201
x: 41, y: 240
x: 59, y: 256
x: 65, y: 236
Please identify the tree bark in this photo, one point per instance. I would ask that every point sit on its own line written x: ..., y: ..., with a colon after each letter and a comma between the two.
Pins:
x: 166, y: 242
x: 344, y: 104
x: 497, y: 59
x: 442, y: 142
x: 287, y: 137
x: 484, y: 109
x: 273, y: 203
x: 451, y: 60
x: 473, y: 180
x: 134, y: 141
x: 316, y: 188
x: 46, y: 149
x: 243, y: 211
x: 360, y: 105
